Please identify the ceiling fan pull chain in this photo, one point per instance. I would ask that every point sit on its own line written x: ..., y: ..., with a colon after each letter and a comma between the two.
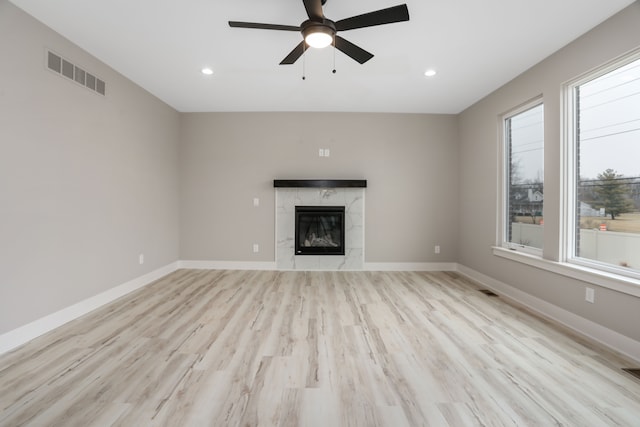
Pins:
x: 334, y: 55
x: 304, y: 61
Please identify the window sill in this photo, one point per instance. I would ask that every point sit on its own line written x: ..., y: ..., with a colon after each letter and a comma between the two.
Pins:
x: 590, y: 275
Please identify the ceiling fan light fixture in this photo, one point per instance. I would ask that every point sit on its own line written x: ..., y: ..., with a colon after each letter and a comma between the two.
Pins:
x: 319, y: 36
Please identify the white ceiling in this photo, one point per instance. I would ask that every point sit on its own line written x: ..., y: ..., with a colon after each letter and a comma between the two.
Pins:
x: 476, y: 46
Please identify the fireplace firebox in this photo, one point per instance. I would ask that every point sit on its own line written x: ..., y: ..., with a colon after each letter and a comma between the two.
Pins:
x: 319, y: 230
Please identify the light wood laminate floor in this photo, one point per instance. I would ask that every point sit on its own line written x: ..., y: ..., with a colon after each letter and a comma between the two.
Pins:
x: 249, y: 348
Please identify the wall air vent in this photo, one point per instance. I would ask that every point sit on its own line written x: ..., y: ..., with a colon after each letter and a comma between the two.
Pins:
x: 66, y: 68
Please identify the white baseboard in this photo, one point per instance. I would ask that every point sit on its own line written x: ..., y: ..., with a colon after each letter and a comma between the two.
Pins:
x: 23, y: 334
x: 367, y: 266
x: 227, y: 265
x: 591, y: 330
x: 410, y: 266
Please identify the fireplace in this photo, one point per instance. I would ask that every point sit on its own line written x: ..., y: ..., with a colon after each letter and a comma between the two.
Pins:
x: 319, y: 230
x: 326, y: 193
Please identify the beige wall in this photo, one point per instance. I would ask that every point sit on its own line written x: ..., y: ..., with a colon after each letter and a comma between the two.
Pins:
x: 409, y: 161
x: 479, y: 164
x: 86, y: 182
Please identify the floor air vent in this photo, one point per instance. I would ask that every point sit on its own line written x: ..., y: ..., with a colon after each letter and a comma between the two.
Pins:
x: 488, y: 293
x: 65, y: 68
x: 634, y: 372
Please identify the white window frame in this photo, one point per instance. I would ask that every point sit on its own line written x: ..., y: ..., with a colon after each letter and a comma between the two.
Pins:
x: 503, y: 199
x: 568, y: 214
x: 562, y: 265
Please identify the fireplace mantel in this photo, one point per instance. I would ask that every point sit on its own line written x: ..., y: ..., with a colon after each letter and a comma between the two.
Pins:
x: 320, y: 183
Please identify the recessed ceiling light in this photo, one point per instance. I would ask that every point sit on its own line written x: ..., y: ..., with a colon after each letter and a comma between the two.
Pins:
x: 207, y: 71
x: 430, y: 73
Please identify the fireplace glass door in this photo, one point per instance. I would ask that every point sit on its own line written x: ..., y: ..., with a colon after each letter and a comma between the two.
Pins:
x: 319, y: 230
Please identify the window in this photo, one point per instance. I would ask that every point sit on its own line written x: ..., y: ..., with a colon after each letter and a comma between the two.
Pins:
x: 604, y: 169
x: 523, y: 183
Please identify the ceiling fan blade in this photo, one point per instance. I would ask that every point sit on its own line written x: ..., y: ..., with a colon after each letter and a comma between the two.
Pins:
x: 379, y: 17
x: 351, y: 50
x: 314, y: 9
x: 294, y: 55
x: 259, y: 26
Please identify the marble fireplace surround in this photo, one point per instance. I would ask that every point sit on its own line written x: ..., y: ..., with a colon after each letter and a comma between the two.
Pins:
x: 320, y: 192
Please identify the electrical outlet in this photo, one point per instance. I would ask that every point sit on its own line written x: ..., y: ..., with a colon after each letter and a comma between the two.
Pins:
x: 321, y: 152
x: 256, y: 248
x: 436, y: 249
x: 590, y: 295
x: 256, y: 202
x: 327, y: 152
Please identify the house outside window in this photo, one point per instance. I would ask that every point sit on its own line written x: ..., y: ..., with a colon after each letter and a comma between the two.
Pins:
x: 603, y: 223
x: 523, y: 182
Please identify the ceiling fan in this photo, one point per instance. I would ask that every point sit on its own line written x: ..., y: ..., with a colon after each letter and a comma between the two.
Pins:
x: 320, y: 32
